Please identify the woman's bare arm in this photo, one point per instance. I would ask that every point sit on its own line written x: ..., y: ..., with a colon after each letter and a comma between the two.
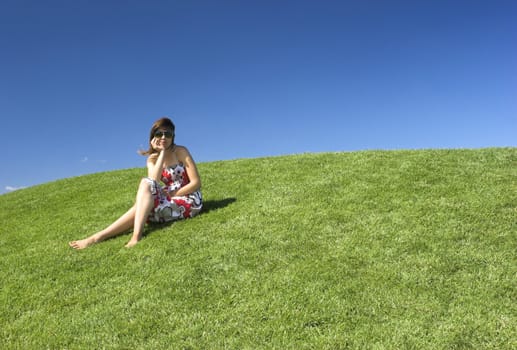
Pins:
x: 191, y: 169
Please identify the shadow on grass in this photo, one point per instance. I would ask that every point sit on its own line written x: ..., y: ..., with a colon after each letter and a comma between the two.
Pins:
x: 208, y: 206
x: 212, y: 205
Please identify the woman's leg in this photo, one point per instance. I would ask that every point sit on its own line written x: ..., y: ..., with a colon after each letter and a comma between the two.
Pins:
x: 122, y: 224
x: 143, y: 206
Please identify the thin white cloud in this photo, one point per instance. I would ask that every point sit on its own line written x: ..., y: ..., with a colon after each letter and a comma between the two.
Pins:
x: 86, y: 160
x: 12, y: 188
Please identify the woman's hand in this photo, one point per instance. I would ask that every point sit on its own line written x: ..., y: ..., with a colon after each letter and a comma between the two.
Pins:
x: 157, y: 145
x: 168, y: 193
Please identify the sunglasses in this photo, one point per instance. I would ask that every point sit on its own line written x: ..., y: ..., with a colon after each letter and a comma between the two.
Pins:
x: 159, y: 134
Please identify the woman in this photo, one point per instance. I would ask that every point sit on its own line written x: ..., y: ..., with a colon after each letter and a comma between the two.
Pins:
x: 170, y: 192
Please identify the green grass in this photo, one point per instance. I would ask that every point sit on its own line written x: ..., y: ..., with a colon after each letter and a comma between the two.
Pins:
x: 360, y: 250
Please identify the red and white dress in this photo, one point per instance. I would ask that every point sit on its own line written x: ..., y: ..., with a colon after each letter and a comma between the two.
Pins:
x: 167, y: 208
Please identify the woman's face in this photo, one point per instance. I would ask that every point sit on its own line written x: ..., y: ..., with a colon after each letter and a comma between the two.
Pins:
x: 163, y: 137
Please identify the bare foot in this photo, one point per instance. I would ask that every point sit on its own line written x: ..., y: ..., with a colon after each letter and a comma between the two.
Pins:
x: 131, y: 243
x: 81, y: 244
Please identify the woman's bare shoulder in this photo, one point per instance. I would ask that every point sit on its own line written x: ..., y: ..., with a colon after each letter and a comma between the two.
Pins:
x: 183, y: 154
x: 181, y: 150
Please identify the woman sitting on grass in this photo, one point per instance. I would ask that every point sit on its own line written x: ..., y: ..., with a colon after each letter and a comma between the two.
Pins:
x: 170, y: 192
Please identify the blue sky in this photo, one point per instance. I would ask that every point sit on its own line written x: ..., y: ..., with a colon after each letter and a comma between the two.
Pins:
x: 81, y: 81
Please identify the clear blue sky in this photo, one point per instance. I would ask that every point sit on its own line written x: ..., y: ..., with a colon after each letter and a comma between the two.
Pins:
x: 82, y: 81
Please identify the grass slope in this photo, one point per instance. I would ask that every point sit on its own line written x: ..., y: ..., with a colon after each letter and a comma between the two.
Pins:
x: 369, y: 250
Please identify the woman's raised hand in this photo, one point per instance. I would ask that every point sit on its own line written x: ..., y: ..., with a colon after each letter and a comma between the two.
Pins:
x: 157, y: 144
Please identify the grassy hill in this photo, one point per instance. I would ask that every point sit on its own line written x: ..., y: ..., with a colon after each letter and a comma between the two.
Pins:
x: 366, y: 250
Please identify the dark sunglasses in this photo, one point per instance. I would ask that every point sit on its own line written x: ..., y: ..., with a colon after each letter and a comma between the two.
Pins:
x: 159, y: 134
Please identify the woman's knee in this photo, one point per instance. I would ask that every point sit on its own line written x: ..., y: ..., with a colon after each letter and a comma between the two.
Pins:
x: 144, y: 182
x: 144, y: 187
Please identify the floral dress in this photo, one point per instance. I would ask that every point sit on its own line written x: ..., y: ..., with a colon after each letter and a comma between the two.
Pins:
x: 167, y: 208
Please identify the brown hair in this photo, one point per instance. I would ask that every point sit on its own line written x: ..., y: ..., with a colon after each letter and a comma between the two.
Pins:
x: 162, y: 123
